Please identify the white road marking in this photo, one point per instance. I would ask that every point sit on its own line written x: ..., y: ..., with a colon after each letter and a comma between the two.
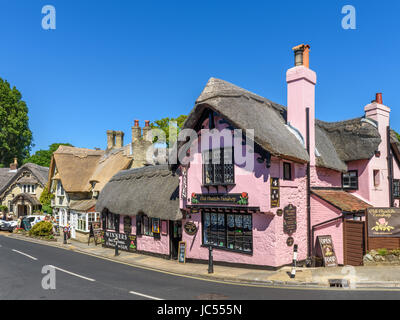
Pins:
x: 144, y: 295
x: 73, y: 274
x: 24, y: 254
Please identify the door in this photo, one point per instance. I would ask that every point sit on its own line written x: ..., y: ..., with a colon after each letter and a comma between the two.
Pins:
x: 175, y: 232
x: 353, y: 242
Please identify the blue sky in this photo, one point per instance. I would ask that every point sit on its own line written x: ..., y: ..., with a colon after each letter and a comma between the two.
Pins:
x: 110, y: 62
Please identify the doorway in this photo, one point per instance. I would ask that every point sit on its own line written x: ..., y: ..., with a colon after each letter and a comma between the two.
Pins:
x: 353, y: 242
x: 22, y: 210
x: 175, y: 232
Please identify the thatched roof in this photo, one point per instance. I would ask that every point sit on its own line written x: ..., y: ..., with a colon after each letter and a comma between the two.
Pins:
x: 395, y: 142
x: 248, y: 110
x: 108, y: 165
x: 152, y: 190
x: 38, y: 175
x: 5, y: 176
x: 336, y: 142
x: 75, y: 167
x: 26, y: 197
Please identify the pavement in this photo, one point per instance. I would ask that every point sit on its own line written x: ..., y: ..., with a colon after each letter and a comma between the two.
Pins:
x: 348, y: 277
x: 37, y: 271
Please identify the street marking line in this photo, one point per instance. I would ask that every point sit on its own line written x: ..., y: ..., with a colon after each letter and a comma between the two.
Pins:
x: 73, y: 274
x: 144, y: 295
x: 24, y: 254
x: 268, y: 286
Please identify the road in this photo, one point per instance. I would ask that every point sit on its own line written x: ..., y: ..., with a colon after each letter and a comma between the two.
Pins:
x: 80, y: 276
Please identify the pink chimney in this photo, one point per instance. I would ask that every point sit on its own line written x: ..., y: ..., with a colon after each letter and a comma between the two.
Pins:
x: 301, y: 81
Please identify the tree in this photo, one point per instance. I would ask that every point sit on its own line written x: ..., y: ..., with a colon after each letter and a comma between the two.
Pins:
x: 45, y: 200
x: 43, y: 157
x: 398, y: 135
x: 15, y: 135
x: 164, y: 125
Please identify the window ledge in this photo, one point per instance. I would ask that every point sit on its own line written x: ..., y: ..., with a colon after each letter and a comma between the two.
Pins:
x: 249, y: 253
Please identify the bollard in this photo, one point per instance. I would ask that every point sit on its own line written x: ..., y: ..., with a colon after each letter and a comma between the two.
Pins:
x: 65, y: 237
x: 293, y: 273
x: 210, y: 260
x: 116, y: 246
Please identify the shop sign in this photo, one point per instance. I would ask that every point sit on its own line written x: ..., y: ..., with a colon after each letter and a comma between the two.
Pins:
x: 234, y: 198
x: 290, y: 241
x: 95, y: 232
x: 383, y: 222
x: 290, y: 219
x: 126, y: 242
x: 327, y: 251
x: 184, y: 183
x: 275, y: 194
x: 190, y: 228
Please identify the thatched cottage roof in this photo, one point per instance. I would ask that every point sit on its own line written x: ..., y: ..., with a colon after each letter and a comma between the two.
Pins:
x: 152, y: 190
x: 395, y: 142
x: 75, y: 167
x: 336, y: 142
x: 39, y: 175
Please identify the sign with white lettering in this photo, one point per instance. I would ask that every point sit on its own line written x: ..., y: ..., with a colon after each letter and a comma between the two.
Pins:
x: 126, y: 242
x: 327, y: 251
x: 383, y: 222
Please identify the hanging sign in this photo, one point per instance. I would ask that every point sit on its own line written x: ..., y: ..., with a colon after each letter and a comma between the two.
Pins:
x: 182, y: 252
x: 190, y: 228
x: 290, y: 219
x: 383, y: 222
x: 234, y: 198
x: 275, y: 194
x: 126, y: 242
x: 184, y: 184
x: 327, y: 251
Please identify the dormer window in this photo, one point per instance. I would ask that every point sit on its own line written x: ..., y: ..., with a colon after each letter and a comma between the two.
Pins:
x: 28, y: 188
x: 218, y: 168
x: 350, y: 180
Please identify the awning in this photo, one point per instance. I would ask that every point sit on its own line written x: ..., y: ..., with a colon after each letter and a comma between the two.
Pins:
x: 341, y: 200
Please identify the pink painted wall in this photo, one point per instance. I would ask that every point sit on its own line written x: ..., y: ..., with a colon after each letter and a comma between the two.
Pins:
x: 396, y: 175
x: 269, y: 242
x: 364, y: 178
x: 301, y: 83
x: 322, y: 211
x: 146, y: 243
x: 322, y: 177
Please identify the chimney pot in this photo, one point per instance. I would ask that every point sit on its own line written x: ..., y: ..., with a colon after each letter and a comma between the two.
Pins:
x: 136, y: 123
x: 302, y: 55
x: 147, y: 123
x: 378, y: 98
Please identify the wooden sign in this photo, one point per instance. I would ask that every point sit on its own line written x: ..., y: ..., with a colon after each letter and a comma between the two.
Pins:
x: 126, y: 242
x: 290, y: 219
x: 190, y: 228
x: 275, y: 194
x: 327, y: 251
x: 182, y: 252
x: 95, y: 232
x: 383, y: 222
x: 184, y: 183
x: 234, y: 198
x: 279, y: 212
x: 290, y: 241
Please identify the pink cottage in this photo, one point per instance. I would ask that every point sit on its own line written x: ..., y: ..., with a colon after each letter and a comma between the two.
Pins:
x: 291, y: 178
x: 253, y: 179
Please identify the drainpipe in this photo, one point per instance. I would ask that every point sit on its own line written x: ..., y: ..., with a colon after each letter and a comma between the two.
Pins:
x: 390, y: 169
x: 310, y: 241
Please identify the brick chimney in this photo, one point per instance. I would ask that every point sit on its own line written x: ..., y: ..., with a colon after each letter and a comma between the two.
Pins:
x: 119, y: 139
x: 14, y: 165
x: 136, y: 131
x: 301, y: 81
x: 110, y: 139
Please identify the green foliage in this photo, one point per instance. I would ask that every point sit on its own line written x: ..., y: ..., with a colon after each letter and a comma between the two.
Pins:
x: 43, y: 157
x: 164, y: 125
x: 383, y: 252
x: 15, y: 135
x: 4, y: 209
x: 42, y: 229
x: 398, y: 135
x: 45, y: 200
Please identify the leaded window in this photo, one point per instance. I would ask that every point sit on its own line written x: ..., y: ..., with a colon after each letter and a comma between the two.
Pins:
x: 350, y: 180
x: 228, y: 231
x: 218, y: 167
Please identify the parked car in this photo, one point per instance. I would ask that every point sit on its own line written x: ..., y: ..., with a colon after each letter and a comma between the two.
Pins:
x: 7, y: 226
x: 29, y: 221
